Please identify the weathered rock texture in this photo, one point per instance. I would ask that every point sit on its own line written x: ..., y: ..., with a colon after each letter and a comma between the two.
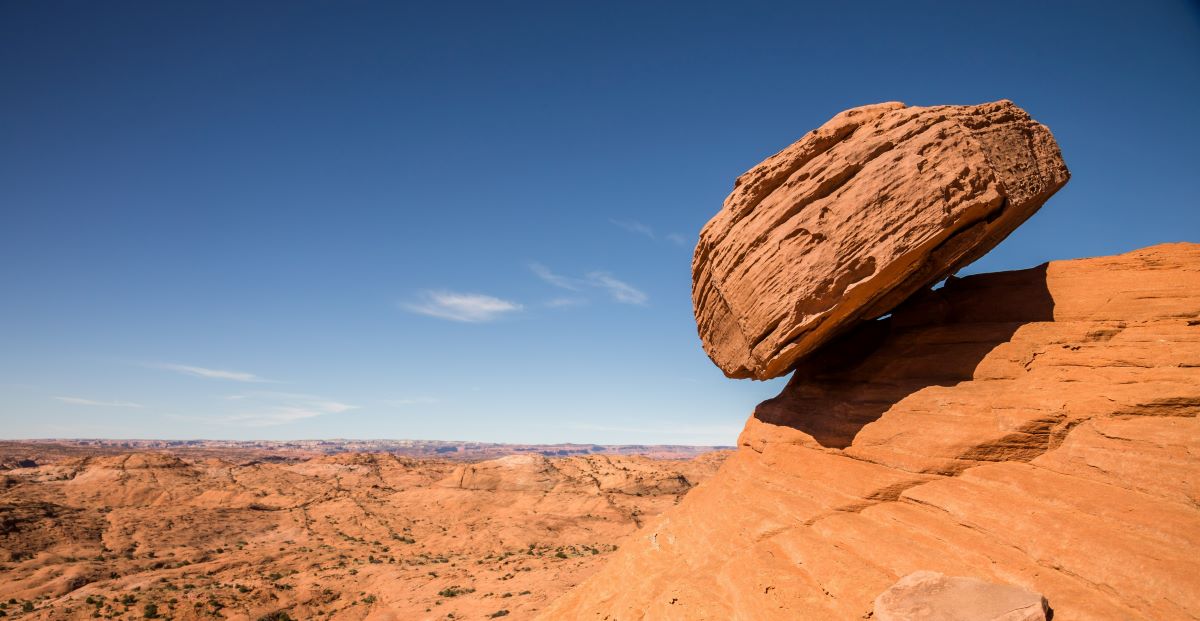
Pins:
x: 930, y: 596
x: 1035, y: 428
x: 874, y: 205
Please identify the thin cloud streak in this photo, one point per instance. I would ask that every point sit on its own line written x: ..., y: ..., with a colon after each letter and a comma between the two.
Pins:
x: 635, y: 227
x: 268, y: 409
x: 105, y: 404
x: 565, y: 302
x: 413, y: 401
x: 463, y: 307
x: 280, y: 415
x: 562, y: 282
x: 620, y: 291
x: 236, y: 376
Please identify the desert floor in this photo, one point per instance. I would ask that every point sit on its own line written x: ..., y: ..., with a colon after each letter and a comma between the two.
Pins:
x: 350, y: 536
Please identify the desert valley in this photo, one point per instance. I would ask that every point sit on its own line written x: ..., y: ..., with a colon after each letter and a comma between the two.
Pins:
x: 248, y: 535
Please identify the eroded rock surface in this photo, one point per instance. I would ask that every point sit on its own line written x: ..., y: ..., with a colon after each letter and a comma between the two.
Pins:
x: 345, y: 537
x: 930, y: 596
x: 1035, y: 428
x: 876, y: 204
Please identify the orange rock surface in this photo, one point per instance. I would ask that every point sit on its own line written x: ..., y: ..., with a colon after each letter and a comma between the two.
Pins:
x: 876, y: 204
x: 930, y: 596
x: 1034, y: 428
x: 353, y: 536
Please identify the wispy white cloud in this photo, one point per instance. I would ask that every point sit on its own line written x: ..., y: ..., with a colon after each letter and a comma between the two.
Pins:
x: 407, y: 401
x: 565, y: 302
x: 279, y: 415
x: 270, y: 408
x: 236, y: 376
x: 635, y: 227
x: 558, y: 280
x: 620, y: 291
x: 90, y: 402
x: 465, y: 307
x: 677, y: 239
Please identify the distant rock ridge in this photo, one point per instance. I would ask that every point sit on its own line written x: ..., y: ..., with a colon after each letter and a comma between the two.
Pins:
x: 876, y: 204
x: 579, y: 474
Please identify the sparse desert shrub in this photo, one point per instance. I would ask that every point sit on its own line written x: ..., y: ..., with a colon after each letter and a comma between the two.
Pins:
x: 278, y: 615
x: 455, y: 591
x: 27, y: 607
x: 499, y: 613
x: 150, y: 611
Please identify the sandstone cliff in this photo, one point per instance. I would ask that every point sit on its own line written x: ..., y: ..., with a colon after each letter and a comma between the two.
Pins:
x: 1035, y: 428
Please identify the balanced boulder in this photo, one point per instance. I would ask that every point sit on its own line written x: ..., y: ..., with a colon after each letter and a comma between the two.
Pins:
x: 876, y: 204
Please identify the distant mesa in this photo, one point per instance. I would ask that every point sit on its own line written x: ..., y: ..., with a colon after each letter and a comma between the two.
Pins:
x: 843, y: 225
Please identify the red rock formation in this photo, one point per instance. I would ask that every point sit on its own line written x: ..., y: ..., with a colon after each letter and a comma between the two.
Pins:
x: 1035, y: 428
x: 876, y: 204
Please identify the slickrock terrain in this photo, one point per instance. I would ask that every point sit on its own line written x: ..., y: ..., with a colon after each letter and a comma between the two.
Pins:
x: 351, y: 536
x: 1035, y: 428
x: 876, y: 204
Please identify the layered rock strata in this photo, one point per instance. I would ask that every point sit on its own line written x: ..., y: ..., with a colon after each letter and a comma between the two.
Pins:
x: 876, y: 204
x: 1035, y: 428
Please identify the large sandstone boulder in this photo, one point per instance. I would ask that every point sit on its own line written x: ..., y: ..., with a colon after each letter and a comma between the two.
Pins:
x: 1035, y: 428
x: 874, y: 205
x: 930, y: 596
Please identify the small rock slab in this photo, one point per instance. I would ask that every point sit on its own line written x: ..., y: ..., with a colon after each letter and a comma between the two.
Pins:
x: 931, y: 596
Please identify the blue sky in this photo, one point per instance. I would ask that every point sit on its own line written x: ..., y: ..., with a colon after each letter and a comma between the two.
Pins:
x: 475, y: 220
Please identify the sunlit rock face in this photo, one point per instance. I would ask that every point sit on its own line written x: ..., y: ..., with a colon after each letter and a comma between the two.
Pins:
x: 1034, y: 428
x: 841, y: 226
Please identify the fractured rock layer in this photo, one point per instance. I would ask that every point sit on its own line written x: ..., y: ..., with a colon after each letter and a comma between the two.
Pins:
x: 876, y: 204
x: 1035, y: 428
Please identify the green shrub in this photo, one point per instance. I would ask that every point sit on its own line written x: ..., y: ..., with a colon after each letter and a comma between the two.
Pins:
x: 455, y: 591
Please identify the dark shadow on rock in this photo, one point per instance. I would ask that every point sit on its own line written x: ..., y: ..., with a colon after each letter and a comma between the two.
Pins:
x: 936, y: 338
